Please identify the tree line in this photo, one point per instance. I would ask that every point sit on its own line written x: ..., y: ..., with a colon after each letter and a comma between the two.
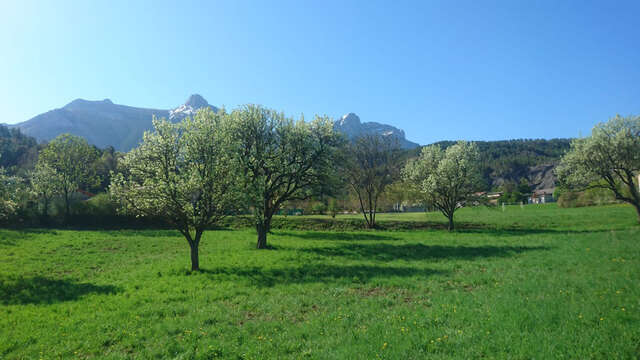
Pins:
x: 254, y: 160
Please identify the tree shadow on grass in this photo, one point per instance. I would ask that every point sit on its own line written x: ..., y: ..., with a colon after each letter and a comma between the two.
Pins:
x: 42, y: 290
x: 389, y: 252
x: 338, y: 236
x: 7, y: 241
x: 471, y: 228
x: 385, y: 228
x: 312, y: 273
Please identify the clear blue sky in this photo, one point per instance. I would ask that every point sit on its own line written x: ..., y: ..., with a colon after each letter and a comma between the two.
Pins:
x: 477, y: 70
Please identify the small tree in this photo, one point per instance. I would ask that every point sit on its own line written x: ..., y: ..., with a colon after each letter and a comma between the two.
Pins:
x: 609, y: 159
x: 281, y: 160
x: 181, y: 173
x: 448, y: 178
x: 372, y: 162
x: 72, y: 158
x: 45, y: 185
x: 8, y: 195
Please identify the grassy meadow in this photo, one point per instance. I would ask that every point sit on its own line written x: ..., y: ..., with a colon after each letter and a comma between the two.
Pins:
x: 527, y: 282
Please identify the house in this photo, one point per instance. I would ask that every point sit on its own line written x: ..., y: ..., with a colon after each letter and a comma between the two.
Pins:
x: 542, y: 196
x: 493, y: 197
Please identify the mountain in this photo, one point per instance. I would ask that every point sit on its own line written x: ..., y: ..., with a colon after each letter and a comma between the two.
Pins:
x: 352, y: 127
x: 104, y: 123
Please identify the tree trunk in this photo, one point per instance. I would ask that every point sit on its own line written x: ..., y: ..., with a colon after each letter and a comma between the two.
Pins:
x: 262, y: 228
x: 633, y: 189
x: 45, y: 209
x: 366, y: 217
x: 44, y: 215
x: 450, y: 227
x: 195, y: 260
x: 194, y: 243
x: 372, y: 220
x: 67, y: 210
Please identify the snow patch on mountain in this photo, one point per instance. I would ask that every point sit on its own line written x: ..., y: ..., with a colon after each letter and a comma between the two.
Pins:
x: 194, y: 103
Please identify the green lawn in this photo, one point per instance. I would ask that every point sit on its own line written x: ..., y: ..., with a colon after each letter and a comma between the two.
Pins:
x: 532, y: 282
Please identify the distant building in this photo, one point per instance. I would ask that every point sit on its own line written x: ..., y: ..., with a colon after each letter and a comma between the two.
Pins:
x: 542, y: 196
x: 493, y: 197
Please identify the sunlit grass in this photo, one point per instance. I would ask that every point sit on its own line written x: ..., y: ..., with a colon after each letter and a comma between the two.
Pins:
x: 531, y: 282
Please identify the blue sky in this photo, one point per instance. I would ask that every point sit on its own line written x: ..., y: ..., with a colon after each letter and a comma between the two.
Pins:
x: 439, y: 70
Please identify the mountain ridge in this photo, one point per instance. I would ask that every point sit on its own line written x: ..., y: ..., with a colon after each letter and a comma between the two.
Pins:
x: 351, y: 125
x: 104, y: 123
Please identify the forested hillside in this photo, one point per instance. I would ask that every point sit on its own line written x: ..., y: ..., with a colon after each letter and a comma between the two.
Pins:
x: 513, y: 160
x: 19, y: 154
x: 17, y: 150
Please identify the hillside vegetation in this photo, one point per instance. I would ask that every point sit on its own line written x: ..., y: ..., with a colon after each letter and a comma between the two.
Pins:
x: 17, y: 150
x: 512, y: 160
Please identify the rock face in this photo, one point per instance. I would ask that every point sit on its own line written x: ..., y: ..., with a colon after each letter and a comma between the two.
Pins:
x: 542, y: 176
x: 352, y: 127
x: 539, y: 177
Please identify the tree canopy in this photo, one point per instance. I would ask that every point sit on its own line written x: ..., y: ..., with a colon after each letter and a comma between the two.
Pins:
x: 45, y: 185
x: 280, y: 159
x: 447, y: 178
x: 609, y: 158
x: 72, y: 158
x: 182, y: 173
x: 8, y: 194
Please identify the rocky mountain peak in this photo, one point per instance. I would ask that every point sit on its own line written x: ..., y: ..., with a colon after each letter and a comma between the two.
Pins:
x: 350, y: 119
x: 352, y: 127
x: 196, y: 101
x: 189, y: 108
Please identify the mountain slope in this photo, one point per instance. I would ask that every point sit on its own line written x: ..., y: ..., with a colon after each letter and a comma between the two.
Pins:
x: 104, y: 123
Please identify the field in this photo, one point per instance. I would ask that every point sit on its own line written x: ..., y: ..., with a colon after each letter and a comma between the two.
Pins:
x: 527, y: 282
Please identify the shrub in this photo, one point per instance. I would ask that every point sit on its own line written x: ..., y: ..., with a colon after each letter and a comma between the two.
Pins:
x: 588, y: 197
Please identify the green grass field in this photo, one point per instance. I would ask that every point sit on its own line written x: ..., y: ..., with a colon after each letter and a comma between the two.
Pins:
x: 532, y: 282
